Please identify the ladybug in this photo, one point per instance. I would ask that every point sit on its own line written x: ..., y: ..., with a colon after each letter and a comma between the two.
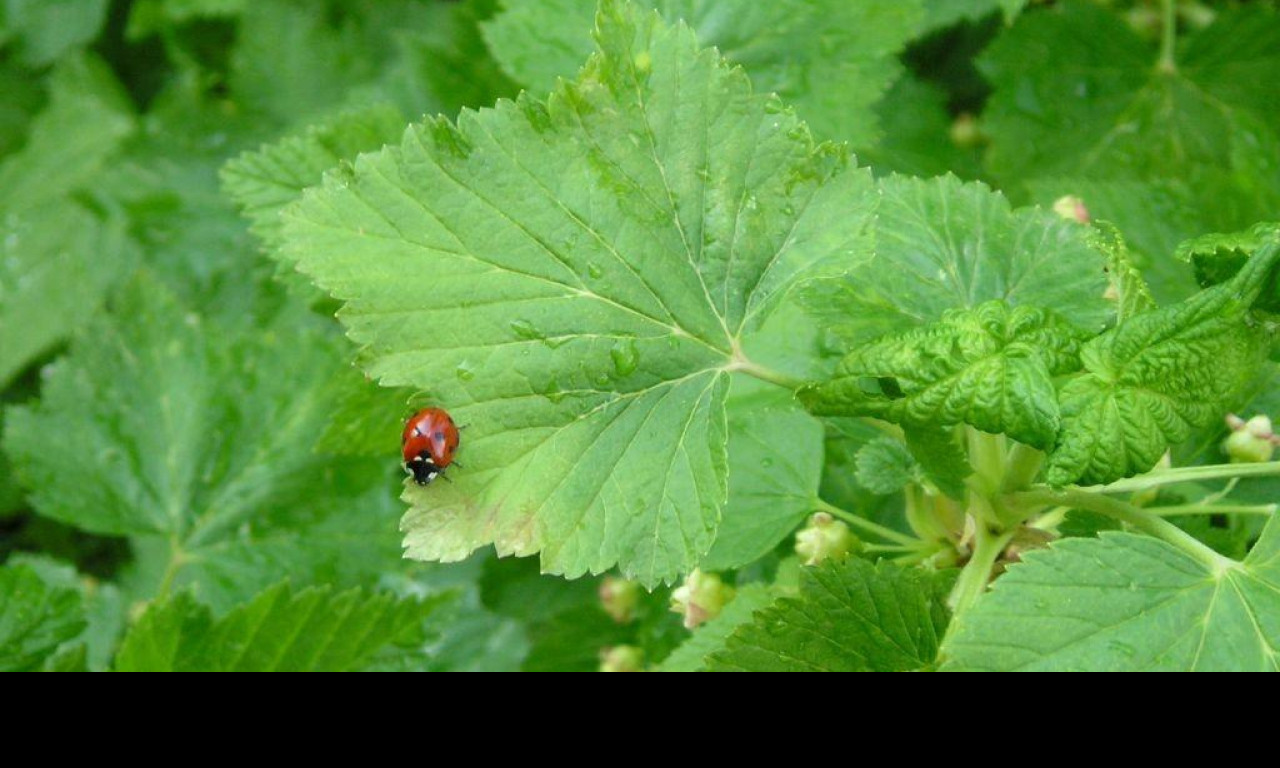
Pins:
x: 429, y: 443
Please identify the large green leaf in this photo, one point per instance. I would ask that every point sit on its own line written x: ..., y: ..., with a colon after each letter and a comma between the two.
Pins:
x: 1125, y: 603
x: 1154, y: 379
x: 850, y: 616
x: 35, y: 619
x: 832, y: 59
x: 942, y: 244
x: 571, y: 278
x: 281, y: 630
x: 196, y: 441
x: 991, y: 367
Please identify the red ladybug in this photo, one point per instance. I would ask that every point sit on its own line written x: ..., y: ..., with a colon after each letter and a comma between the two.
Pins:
x: 429, y: 443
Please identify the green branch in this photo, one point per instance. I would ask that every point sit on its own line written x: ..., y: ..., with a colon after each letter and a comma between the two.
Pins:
x: 1135, y: 517
x: 866, y: 526
x: 1190, y: 475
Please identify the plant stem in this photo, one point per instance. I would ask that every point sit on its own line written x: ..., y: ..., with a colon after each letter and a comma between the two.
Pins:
x: 1023, y: 466
x: 1168, y: 63
x: 1133, y: 516
x: 1214, y: 509
x: 867, y: 526
x: 977, y: 572
x: 177, y: 559
x: 1190, y: 475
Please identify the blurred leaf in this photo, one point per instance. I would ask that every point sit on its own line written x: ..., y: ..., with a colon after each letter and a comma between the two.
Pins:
x: 916, y: 136
x: 44, y: 31
x: 202, y: 439
x: 35, y: 619
x: 103, y: 607
x: 312, y: 630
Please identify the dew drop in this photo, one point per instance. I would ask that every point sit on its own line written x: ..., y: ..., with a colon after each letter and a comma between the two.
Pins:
x: 465, y: 372
x: 595, y: 271
x: 626, y: 357
x: 525, y: 330
x: 766, y: 463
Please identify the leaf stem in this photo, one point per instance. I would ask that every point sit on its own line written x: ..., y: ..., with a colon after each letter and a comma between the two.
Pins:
x: 1168, y: 63
x: 1190, y: 475
x: 1135, y: 517
x: 867, y: 526
x: 976, y: 574
x: 1023, y: 466
x: 742, y: 365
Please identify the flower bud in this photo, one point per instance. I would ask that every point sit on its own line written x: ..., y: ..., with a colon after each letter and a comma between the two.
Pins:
x: 700, y: 598
x: 619, y: 598
x: 825, y: 538
x: 966, y: 133
x: 1072, y: 208
x: 1251, y: 442
x: 622, y: 658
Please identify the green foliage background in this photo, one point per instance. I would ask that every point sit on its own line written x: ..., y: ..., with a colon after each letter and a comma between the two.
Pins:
x: 199, y: 470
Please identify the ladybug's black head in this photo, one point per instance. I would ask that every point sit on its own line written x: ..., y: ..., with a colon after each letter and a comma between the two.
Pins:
x: 423, y: 469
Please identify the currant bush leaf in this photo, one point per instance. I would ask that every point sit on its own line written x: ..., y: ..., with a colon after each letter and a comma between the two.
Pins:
x: 1123, y: 602
x: 775, y: 466
x: 569, y: 278
x: 942, y: 244
x: 265, y: 182
x: 1218, y: 258
x: 850, y: 616
x: 832, y: 59
x: 281, y: 630
x: 1151, y: 381
x: 201, y: 443
x: 991, y: 367
x: 35, y: 619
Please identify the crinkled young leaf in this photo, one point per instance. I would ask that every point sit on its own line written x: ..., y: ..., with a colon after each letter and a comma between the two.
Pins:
x: 991, y: 367
x: 1123, y: 602
x: 943, y: 244
x: 281, y: 630
x: 1152, y: 380
x: 942, y: 458
x: 710, y: 637
x: 1078, y: 92
x: 265, y: 182
x: 1128, y: 288
x: 850, y: 616
x: 775, y: 467
x: 832, y: 59
x: 885, y: 466
x: 570, y: 278
x: 35, y: 619
x: 201, y: 436
x: 1218, y: 258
